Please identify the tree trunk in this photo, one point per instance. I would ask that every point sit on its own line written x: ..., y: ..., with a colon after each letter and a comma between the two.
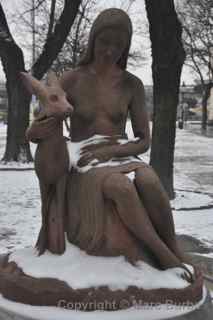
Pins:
x: 168, y: 58
x: 206, y: 93
x: 17, y: 148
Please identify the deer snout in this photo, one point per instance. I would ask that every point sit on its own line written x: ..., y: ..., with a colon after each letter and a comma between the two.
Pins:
x: 68, y: 111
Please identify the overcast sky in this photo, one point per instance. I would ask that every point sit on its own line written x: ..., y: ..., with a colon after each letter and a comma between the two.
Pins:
x: 137, y: 13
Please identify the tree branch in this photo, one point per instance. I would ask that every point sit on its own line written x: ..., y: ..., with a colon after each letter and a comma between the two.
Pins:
x: 40, y: 2
x: 55, y: 42
x: 52, y: 18
x: 3, y: 24
x: 10, y: 53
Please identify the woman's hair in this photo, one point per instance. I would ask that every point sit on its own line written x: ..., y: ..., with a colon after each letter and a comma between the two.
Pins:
x: 110, y: 18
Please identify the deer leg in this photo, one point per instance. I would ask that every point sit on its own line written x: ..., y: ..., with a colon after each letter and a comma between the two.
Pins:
x: 46, y: 196
x: 56, y: 234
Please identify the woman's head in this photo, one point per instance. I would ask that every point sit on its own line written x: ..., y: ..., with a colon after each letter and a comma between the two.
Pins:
x: 110, y: 35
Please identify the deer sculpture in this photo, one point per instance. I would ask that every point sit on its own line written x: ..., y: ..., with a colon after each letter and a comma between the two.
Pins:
x: 51, y: 159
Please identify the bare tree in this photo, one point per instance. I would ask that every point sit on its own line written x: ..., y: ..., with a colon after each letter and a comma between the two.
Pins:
x: 168, y: 57
x: 56, y: 37
x: 77, y: 39
x: 197, y: 20
x: 17, y: 149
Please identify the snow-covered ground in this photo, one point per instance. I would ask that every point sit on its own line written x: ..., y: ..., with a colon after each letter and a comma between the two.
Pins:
x: 20, y: 199
x: 194, y: 158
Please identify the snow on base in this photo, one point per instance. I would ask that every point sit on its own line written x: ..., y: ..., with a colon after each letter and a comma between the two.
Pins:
x: 187, y: 199
x: 137, y: 312
x: 80, y: 270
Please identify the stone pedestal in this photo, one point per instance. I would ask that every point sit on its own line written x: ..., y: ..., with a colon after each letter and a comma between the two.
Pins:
x: 205, y: 312
x: 7, y: 315
x: 34, y: 296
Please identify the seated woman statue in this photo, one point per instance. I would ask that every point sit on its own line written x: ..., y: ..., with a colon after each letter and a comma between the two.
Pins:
x: 109, y: 211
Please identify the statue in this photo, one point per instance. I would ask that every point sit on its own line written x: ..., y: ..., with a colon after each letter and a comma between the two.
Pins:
x: 95, y: 190
x: 102, y: 93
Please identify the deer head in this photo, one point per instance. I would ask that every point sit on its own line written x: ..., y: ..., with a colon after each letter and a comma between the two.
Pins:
x: 52, y: 97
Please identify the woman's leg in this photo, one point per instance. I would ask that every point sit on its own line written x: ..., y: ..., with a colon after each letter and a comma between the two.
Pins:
x: 156, y: 202
x: 118, y: 188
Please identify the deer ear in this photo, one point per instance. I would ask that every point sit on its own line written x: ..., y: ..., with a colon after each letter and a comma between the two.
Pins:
x: 52, y: 79
x: 32, y: 85
x: 26, y: 82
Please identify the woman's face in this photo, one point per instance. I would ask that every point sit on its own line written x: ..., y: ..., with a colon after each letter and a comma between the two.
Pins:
x: 110, y: 45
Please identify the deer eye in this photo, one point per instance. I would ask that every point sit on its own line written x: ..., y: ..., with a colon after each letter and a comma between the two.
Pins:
x: 54, y: 98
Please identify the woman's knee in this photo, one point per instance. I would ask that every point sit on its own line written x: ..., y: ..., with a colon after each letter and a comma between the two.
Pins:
x: 147, y: 178
x: 117, y: 184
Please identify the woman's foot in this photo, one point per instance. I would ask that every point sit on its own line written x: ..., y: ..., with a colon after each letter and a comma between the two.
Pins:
x: 188, y: 275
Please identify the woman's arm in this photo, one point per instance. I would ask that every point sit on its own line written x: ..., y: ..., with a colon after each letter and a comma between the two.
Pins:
x: 140, y: 125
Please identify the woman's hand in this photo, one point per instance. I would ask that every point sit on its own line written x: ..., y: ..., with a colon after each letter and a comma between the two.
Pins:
x: 102, y: 155
x: 40, y: 130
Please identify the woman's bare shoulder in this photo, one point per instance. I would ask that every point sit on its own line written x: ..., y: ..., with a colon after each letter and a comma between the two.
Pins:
x: 134, y: 84
x: 133, y: 80
x: 68, y: 77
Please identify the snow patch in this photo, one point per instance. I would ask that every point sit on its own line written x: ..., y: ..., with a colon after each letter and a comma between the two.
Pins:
x: 131, y: 175
x: 187, y: 199
x: 80, y: 270
x: 196, y: 223
x: 74, y: 150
